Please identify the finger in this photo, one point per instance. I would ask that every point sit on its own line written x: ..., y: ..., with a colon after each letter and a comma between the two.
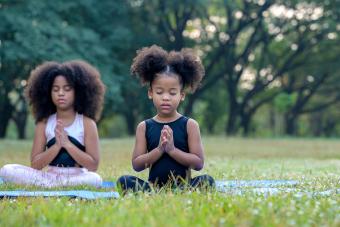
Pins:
x: 164, y: 134
x: 57, y: 131
x: 168, y: 130
x: 168, y: 134
x: 60, y: 123
x: 58, y: 126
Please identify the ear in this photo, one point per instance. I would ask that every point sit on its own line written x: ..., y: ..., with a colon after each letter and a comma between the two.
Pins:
x: 182, y: 96
x: 150, y: 93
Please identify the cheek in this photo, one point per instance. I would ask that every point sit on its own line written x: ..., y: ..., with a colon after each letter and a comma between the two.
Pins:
x: 53, y: 95
x: 71, y: 94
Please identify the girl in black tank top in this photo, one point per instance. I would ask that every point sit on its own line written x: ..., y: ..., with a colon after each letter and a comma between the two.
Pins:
x: 169, y: 144
x: 166, y: 167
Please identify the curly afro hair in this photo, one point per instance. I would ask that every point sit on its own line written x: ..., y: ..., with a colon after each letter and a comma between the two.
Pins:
x: 154, y: 60
x: 84, y: 78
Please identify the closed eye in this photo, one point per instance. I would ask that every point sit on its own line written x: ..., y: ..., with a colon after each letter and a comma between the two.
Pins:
x: 55, y: 88
x: 68, y: 88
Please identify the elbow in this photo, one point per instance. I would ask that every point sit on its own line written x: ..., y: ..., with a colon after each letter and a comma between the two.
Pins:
x: 35, y: 165
x: 92, y: 169
x: 94, y: 166
x: 199, y: 166
x: 137, y: 167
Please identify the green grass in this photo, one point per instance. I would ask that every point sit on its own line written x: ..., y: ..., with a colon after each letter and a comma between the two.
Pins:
x: 315, y: 163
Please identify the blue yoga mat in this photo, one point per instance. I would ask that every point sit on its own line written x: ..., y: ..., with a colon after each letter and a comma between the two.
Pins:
x: 225, y: 184
x: 221, y: 184
x: 72, y: 194
x: 233, y: 187
x: 108, y: 184
x: 84, y: 194
x: 276, y: 191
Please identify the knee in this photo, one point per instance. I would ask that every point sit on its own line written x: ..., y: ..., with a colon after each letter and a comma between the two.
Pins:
x: 7, y: 169
x: 209, y: 180
x: 123, y: 181
x: 96, y: 178
x: 205, y: 181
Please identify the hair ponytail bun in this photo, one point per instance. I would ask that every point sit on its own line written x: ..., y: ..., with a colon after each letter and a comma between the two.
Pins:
x: 186, y: 64
x: 148, y: 62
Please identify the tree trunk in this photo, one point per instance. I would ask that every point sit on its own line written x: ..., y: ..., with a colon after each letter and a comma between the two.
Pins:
x: 290, y: 124
x: 131, y: 124
x: 5, y: 116
x: 329, y: 128
x: 189, y: 105
x: 316, y: 124
x: 231, y: 128
x: 234, y: 106
x: 245, y: 123
x: 20, y: 121
x: 272, y: 120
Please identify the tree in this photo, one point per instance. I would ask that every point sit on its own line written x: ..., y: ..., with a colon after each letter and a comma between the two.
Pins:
x: 257, y: 43
x: 36, y: 31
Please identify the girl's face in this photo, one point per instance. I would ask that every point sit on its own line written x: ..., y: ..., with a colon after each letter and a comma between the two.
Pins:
x: 166, y: 94
x: 62, y: 93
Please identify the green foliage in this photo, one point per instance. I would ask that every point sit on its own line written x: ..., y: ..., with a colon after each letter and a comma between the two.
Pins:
x: 291, y: 49
x: 284, y: 101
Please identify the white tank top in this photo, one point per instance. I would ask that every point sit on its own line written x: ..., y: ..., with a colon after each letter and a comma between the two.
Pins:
x: 76, y: 129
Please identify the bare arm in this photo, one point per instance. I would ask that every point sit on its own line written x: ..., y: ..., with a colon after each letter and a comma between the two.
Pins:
x: 39, y: 157
x: 90, y: 158
x: 194, y: 159
x: 142, y: 159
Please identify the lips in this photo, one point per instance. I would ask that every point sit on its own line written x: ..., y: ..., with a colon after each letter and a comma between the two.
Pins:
x: 165, y: 106
x: 61, y: 101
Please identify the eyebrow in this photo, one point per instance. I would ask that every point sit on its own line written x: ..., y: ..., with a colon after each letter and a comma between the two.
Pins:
x: 67, y: 85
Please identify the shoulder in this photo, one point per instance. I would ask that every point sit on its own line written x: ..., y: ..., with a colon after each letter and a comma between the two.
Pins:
x: 192, y: 125
x: 40, y: 128
x: 41, y: 125
x: 89, y: 123
x: 141, y: 126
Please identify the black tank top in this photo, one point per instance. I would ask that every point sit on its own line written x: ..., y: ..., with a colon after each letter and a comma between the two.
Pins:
x: 165, y: 167
x: 64, y: 159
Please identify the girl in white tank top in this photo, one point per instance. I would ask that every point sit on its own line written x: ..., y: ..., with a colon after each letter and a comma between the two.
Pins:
x: 66, y: 156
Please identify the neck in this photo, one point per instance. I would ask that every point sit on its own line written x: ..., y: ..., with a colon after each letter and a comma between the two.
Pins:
x: 167, y: 118
x: 65, y: 114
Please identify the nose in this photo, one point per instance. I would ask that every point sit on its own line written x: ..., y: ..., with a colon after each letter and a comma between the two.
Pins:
x: 61, y: 92
x: 166, y: 97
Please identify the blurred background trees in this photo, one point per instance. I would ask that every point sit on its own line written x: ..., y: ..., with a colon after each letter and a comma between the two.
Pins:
x: 272, y: 67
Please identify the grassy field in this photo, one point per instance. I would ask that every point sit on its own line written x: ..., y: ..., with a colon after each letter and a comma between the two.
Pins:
x: 314, y: 163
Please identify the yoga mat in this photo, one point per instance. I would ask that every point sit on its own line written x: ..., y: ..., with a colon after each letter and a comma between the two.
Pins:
x: 225, y: 184
x: 72, y: 194
x: 277, y: 191
x: 84, y: 194
x: 108, y: 184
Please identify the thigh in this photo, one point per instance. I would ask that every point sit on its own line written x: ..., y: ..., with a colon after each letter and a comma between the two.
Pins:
x: 66, y: 170
x: 19, y: 170
x: 81, y: 178
x: 20, y: 174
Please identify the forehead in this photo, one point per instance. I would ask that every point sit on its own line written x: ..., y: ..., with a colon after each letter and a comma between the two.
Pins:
x: 166, y: 81
x: 60, y: 80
